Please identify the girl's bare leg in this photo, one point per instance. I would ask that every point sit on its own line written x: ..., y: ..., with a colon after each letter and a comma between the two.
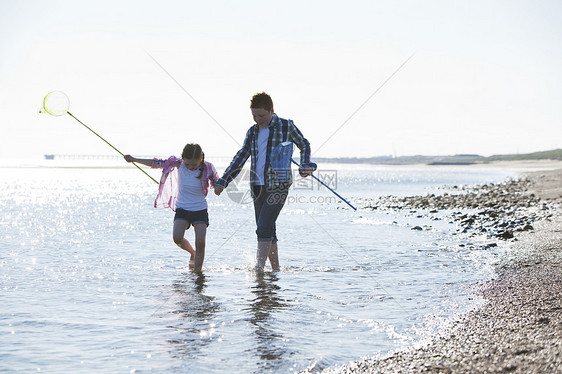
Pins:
x: 180, y: 226
x: 200, y: 237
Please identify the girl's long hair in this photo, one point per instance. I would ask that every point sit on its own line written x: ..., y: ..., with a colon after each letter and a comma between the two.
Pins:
x: 193, y: 151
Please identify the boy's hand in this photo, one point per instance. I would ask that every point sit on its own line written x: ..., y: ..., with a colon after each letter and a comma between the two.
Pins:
x: 129, y: 158
x: 218, y: 190
x: 307, y: 169
x: 306, y: 172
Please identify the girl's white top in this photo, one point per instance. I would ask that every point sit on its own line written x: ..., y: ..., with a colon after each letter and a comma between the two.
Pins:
x: 190, y: 192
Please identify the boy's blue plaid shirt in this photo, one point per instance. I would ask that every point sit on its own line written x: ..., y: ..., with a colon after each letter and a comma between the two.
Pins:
x: 280, y: 130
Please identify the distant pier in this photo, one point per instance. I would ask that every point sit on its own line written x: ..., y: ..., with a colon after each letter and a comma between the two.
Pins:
x: 83, y: 157
x: 67, y: 157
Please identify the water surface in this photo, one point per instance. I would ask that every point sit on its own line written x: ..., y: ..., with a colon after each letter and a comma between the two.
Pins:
x: 90, y: 280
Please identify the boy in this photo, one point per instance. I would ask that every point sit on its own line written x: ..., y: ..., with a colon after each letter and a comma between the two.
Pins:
x: 269, y: 192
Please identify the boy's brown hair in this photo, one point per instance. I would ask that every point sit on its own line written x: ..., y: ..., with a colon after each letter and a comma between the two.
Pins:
x: 261, y: 100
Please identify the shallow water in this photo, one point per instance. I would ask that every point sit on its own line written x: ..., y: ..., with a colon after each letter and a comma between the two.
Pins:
x: 90, y: 280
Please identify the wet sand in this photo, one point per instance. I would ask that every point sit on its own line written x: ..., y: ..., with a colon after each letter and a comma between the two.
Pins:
x: 518, y: 329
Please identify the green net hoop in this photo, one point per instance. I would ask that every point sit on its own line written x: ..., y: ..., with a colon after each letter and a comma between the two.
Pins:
x: 55, y: 103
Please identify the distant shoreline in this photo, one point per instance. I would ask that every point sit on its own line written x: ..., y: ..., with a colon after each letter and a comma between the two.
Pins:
x: 115, y: 164
x: 112, y: 160
x: 454, y: 160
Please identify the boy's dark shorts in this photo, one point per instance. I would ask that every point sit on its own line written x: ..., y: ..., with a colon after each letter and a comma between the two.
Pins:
x: 193, y: 217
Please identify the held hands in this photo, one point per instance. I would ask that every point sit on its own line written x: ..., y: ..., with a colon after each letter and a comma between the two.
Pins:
x: 218, y: 190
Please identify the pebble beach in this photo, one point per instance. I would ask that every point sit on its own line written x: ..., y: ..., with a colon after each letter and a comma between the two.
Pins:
x: 518, y: 328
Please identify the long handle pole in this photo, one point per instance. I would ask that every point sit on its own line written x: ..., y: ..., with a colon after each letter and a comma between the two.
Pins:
x: 328, y: 187
x: 108, y: 143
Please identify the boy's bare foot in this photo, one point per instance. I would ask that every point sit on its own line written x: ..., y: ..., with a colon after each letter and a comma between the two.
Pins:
x: 191, y: 262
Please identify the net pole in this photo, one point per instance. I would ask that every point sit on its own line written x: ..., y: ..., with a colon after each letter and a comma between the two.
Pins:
x: 328, y: 187
x: 111, y: 145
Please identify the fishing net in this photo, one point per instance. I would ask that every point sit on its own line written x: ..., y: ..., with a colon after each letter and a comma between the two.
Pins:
x: 280, y: 160
x: 55, y: 103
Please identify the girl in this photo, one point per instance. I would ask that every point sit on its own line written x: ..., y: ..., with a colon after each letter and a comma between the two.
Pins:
x: 183, y: 188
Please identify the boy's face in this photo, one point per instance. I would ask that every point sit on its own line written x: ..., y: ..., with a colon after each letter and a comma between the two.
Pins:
x: 262, y: 116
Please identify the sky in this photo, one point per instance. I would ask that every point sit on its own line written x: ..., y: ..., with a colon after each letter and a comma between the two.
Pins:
x: 484, y: 77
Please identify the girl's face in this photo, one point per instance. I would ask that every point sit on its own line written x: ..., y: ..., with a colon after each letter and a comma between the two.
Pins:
x: 192, y: 163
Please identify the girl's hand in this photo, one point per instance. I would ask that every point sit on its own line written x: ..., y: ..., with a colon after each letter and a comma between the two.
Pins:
x: 218, y: 190
x: 129, y: 158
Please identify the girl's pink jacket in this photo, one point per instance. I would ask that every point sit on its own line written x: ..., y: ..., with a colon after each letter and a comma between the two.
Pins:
x: 168, y: 189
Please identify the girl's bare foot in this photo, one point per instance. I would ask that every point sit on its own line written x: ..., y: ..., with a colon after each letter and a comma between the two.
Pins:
x: 191, y: 262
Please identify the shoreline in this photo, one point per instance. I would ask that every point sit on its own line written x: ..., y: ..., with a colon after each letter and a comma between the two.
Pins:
x: 117, y: 163
x: 518, y: 328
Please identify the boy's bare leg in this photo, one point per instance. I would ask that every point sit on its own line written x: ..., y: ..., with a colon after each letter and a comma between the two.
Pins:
x: 200, y: 236
x: 262, y: 254
x: 180, y: 226
x: 274, y: 257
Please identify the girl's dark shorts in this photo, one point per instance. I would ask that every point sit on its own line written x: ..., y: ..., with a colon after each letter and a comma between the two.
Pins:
x: 193, y: 217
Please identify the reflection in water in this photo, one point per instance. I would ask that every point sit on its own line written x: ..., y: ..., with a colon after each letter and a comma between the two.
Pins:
x: 195, y: 328
x: 270, y: 343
